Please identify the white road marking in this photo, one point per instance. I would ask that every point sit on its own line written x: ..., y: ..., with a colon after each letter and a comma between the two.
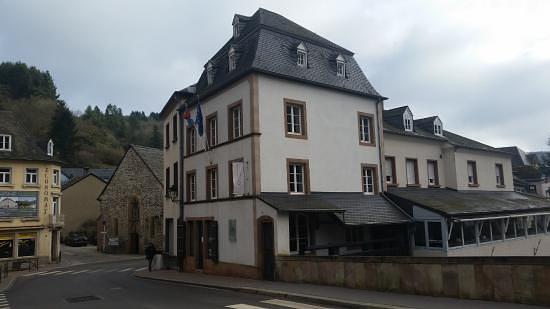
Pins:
x: 96, y: 271
x: 79, y: 272
x: 110, y: 270
x: 34, y: 274
x: 140, y: 269
x: 291, y: 304
x: 64, y: 272
x: 50, y: 272
x: 127, y: 269
x: 244, y: 306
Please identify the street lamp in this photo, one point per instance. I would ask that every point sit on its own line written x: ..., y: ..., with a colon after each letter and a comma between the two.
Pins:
x: 173, y: 193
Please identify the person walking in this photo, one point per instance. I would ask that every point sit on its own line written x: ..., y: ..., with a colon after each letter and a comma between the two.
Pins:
x: 150, y: 252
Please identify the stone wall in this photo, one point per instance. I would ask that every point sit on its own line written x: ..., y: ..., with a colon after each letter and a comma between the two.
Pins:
x: 508, y: 279
x: 133, y: 182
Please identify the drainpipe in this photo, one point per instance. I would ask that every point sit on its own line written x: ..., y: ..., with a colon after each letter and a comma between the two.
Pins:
x: 380, y: 121
x: 181, y: 222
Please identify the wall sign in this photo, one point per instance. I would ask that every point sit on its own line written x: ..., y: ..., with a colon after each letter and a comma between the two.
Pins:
x: 18, y: 204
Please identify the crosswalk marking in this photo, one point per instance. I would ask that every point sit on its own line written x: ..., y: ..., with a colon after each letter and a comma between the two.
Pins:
x: 79, y: 272
x: 127, y: 269
x: 64, y: 272
x: 96, y: 271
x: 50, y: 272
x: 4, y: 302
x: 140, y: 269
x: 34, y: 274
x: 291, y: 304
x: 244, y: 306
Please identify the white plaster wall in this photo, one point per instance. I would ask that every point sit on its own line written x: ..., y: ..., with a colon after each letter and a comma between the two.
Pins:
x: 403, y: 148
x: 170, y: 156
x: 280, y: 222
x: 485, y: 163
x: 243, y: 250
x: 332, y: 146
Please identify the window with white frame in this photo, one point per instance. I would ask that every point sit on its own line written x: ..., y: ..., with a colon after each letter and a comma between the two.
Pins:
x: 368, y: 178
x: 55, y: 177
x: 411, y: 167
x: 191, y: 186
x: 438, y: 127
x: 298, y: 232
x: 301, y: 55
x: 31, y: 176
x: 408, y: 120
x: 5, y: 175
x: 390, y: 170
x: 232, y: 59
x: 295, y: 118
x: 472, y: 173
x: 433, y: 177
x: 365, y: 129
x: 297, y: 177
x: 191, y: 140
x: 212, y: 129
x: 55, y: 203
x: 235, y: 121
x: 340, y: 66
x: 212, y: 182
x: 50, y: 148
x: 499, y: 175
x: 5, y: 142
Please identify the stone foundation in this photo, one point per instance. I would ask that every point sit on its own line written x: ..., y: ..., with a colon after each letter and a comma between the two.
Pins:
x: 507, y: 279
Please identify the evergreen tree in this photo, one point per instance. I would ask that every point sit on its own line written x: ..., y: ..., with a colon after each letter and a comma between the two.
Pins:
x: 156, y: 138
x: 63, y: 132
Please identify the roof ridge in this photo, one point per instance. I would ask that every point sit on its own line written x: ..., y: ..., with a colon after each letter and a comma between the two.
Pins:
x: 147, y: 147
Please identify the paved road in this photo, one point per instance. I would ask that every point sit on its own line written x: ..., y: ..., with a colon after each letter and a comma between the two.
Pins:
x: 114, y: 286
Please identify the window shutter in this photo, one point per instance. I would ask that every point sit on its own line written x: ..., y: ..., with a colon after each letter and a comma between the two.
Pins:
x: 213, y: 241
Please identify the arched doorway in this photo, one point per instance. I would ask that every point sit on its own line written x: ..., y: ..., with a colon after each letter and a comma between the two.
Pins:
x: 266, y: 247
x: 133, y: 225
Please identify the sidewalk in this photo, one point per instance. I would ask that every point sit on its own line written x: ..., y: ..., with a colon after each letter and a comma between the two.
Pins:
x: 327, y: 295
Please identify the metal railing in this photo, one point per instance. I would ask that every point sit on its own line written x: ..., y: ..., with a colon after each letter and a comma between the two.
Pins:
x: 57, y: 220
x: 16, y: 264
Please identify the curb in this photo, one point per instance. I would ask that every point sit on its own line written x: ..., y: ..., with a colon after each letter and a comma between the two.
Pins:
x: 280, y: 294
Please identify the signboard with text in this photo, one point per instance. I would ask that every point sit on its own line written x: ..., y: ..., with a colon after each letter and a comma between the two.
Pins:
x: 18, y: 204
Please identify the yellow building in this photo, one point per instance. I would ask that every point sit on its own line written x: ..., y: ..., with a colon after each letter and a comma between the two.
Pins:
x: 30, y: 195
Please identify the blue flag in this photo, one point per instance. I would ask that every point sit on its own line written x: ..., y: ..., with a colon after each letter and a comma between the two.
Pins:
x: 198, y: 119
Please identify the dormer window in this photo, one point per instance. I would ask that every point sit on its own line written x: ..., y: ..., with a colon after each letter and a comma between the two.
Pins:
x: 210, y: 73
x: 408, y: 120
x: 236, y: 27
x: 50, y: 148
x: 232, y: 59
x: 438, y: 127
x: 340, y: 66
x: 301, y: 55
x: 5, y: 142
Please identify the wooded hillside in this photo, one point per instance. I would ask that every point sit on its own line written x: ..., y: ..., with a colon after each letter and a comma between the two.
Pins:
x: 96, y: 138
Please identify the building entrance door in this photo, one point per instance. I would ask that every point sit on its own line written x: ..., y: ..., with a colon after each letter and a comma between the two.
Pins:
x: 134, y: 243
x: 200, y: 244
x: 54, y: 246
x: 267, y: 248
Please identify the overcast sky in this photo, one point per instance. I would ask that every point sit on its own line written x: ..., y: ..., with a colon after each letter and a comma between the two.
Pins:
x: 482, y: 66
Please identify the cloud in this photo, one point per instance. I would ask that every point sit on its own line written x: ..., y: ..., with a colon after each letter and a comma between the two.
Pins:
x: 482, y: 66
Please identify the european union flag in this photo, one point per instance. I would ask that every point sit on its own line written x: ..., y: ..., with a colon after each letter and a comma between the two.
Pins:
x: 198, y: 119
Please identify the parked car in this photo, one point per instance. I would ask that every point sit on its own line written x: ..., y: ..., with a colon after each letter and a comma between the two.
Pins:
x: 76, y: 240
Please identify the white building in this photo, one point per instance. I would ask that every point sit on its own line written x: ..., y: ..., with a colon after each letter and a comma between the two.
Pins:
x: 460, y: 192
x: 290, y: 157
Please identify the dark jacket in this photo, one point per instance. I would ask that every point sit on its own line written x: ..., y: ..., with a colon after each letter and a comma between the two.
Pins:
x: 150, y: 251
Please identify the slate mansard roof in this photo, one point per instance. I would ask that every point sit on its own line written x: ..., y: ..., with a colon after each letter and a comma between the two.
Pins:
x: 23, y: 145
x: 268, y: 43
x: 393, y: 123
x: 352, y: 208
x: 469, y: 204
